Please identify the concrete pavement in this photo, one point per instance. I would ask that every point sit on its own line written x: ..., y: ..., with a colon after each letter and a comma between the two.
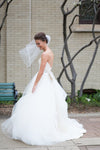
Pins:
x: 90, y: 140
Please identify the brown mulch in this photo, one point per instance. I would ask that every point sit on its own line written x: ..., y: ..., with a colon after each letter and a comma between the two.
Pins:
x: 82, y: 109
x: 7, y: 109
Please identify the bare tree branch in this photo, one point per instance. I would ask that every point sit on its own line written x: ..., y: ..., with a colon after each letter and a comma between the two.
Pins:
x: 62, y: 6
x: 66, y: 49
x: 88, y: 70
x: 2, y: 3
x: 6, y: 11
x: 97, y: 45
x: 89, y: 44
x: 5, y: 14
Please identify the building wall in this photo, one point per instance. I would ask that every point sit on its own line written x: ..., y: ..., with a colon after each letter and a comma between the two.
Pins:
x: 3, y: 48
x: 26, y: 18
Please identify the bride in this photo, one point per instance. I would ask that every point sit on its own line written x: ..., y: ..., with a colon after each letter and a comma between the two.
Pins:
x: 40, y: 116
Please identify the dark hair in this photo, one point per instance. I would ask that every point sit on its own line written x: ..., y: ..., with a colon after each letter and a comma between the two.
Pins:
x: 41, y: 36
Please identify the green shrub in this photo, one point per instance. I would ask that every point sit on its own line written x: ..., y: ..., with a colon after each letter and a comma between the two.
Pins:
x: 11, y: 102
x: 19, y: 95
x: 7, y: 102
x: 97, y: 96
x: 68, y: 100
x: 92, y: 99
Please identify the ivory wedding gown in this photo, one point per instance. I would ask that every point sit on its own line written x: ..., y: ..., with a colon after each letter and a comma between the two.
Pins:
x: 41, y: 118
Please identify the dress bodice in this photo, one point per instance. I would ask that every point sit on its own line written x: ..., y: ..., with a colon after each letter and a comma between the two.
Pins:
x: 47, y: 67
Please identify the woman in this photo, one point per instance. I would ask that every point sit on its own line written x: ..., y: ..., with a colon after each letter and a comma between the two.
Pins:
x: 40, y: 116
x: 47, y: 55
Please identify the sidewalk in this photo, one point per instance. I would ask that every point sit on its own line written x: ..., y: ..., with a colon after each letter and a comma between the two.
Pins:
x: 90, y: 140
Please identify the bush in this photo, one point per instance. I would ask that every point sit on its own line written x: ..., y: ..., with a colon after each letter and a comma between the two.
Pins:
x: 97, y: 96
x: 91, y: 97
x: 19, y: 95
x: 7, y: 102
x: 11, y: 102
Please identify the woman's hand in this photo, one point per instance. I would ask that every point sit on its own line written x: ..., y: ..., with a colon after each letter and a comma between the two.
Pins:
x: 33, y: 89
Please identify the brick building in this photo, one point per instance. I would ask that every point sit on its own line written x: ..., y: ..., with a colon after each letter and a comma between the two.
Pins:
x: 26, y: 18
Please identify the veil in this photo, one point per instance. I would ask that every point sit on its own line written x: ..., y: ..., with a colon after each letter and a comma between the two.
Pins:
x: 31, y: 52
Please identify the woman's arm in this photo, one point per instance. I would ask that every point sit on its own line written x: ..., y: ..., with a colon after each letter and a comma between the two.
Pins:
x: 41, y: 70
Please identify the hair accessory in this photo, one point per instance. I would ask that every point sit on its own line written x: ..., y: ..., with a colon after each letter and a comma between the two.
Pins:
x: 31, y: 52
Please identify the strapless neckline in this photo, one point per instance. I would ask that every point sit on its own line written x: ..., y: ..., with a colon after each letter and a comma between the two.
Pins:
x: 47, y: 62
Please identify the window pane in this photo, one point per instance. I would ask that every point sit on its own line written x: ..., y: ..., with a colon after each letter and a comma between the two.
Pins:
x: 86, y: 10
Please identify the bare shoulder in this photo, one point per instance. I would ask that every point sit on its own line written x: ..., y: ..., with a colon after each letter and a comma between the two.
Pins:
x: 48, y: 53
x: 44, y: 57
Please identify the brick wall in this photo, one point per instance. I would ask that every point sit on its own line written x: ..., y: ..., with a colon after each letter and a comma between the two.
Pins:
x: 27, y: 17
x: 3, y: 48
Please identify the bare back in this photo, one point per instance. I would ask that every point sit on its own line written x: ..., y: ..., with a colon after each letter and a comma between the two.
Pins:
x: 50, y: 56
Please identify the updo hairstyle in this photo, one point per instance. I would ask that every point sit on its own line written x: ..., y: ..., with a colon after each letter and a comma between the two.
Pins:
x: 41, y: 36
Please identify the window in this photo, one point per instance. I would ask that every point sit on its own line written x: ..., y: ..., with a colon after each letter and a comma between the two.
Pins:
x: 86, y: 11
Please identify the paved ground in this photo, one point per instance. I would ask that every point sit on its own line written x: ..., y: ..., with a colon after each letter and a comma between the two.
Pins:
x: 90, y: 140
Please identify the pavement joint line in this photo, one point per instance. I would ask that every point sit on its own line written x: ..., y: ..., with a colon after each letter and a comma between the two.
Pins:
x: 96, y: 114
x: 87, y: 141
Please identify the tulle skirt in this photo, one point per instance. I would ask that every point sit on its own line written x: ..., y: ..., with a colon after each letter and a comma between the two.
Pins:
x: 41, y: 118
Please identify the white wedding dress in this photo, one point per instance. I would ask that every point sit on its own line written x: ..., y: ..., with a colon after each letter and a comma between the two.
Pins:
x: 41, y: 118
